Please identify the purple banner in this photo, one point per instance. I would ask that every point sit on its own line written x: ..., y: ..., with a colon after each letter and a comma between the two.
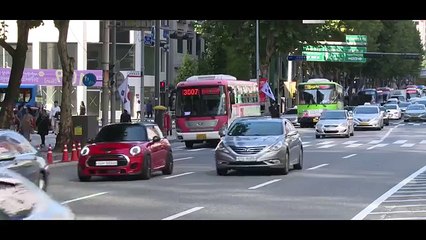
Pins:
x: 50, y: 77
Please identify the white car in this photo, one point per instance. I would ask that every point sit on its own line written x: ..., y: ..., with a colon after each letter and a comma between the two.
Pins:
x: 394, y: 111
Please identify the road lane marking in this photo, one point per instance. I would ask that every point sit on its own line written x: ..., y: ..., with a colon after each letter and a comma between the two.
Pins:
x: 179, y: 175
x: 354, y: 145
x: 400, y: 142
x: 264, y: 184
x: 411, y: 191
x: 322, y: 165
x: 401, y: 124
x: 351, y: 155
x: 325, y: 142
x: 387, y: 134
x: 378, y: 145
x: 181, y: 159
x: 423, y: 141
x: 407, y: 200
x: 402, y: 206
x: 349, y: 142
x: 361, y: 215
x: 424, y: 123
x: 407, y: 218
x: 306, y: 142
x: 416, y: 124
x: 407, y: 195
x: 375, y: 142
x: 177, y: 215
x: 307, y: 145
x: 196, y: 150
x: 327, y: 146
x: 407, y: 145
x: 394, y: 212
x: 84, y: 197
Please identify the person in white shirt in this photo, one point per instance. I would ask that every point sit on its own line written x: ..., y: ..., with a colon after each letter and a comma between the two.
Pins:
x: 138, y: 109
x: 53, y: 116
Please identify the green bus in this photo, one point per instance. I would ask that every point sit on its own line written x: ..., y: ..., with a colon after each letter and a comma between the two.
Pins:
x: 316, y: 95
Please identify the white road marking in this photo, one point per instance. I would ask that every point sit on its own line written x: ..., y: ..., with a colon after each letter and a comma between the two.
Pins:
x: 388, y: 133
x: 416, y: 124
x: 407, y: 200
x: 394, y: 212
x: 354, y: 145
x: 407, y: 218
x: 407, y: 145
x: 400, y: 142
x: 306, y: 142
x: 179, y: 175
x: 307, y: 145
x: 402, y: 206
x: 401, y: 124
x: 181, y: 159
x: 327, y: 146
x: 85, y: 197
x: 410, y: 123
x: 264, y: 184
x: 183, y: 213
x: 349, y: 142
x: 407, y: 195
x: 325, y: 142
x: 424, y: 123
x: 423, y: 141
x: 375, y: 142
x: 412, y: 191
x: 322, y: 165
x: 415, y: 184
x: 378, y: 145
x: 361, y: 215
x: 196, y: 150
x: 349, y: 155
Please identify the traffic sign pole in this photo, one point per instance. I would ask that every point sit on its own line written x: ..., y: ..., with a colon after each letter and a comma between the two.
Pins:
x: 142, y: 90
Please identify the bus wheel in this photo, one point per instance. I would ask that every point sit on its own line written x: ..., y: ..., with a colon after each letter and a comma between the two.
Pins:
x: 189, y: 144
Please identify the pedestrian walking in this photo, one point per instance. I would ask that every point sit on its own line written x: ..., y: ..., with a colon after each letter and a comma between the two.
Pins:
x: 82, y: 108
x: 27, y: 124
x: 125, y: 117
x: 149, y: 109
x: 43, y: 125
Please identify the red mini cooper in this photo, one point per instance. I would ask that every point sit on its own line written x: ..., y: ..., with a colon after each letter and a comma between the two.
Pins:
x: 126, y: 149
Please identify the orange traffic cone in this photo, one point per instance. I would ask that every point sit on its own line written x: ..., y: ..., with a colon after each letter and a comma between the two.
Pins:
x: 49, y: 155
x: 78, y: 149
x: 74, y: 156
x: 65, y: 154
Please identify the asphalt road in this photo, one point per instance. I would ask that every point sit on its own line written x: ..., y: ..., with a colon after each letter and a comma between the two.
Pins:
x: 373, y: 175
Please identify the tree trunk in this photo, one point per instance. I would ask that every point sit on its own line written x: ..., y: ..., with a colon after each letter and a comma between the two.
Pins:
x: 18, y: 64
x: 67, y: 63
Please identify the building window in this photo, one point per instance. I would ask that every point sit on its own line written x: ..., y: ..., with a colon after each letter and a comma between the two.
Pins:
x: 164, y: 23
x: 49, y: 56
x: 6, y: 58
x: 123, y: 36
x: 125, y: 53
x: 94, y: 56
x: 189, y: 46
x: 180, y: 46
x: 198, y: 45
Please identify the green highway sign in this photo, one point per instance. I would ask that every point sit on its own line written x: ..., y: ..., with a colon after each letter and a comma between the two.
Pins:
x: 334, y: 57
x: 358, y: 39
x: 328, y: 48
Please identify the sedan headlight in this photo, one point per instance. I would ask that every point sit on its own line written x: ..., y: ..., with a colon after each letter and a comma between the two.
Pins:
x: 276, y: 147
x: 221, y: 147
x: 85, y: 151
x: 343, y: 125
x: 318, y: 125
x: 135, y: 150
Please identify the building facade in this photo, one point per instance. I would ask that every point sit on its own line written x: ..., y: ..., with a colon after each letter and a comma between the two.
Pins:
x: 85, y: 45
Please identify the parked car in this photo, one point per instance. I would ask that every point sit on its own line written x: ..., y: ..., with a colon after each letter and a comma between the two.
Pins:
x: 368, y: 117
x: 17, y: 154
x: 291, y: 115
x: 20, y: 199
x: 385, y: 115
x: 259, y: 142
x: 415, y: 112
x: 334, y: 123
x: 126, y: 149
x: 393, y: 110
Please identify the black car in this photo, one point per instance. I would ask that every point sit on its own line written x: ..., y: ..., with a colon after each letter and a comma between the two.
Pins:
x: 22, y: 200
x: 17, y: 154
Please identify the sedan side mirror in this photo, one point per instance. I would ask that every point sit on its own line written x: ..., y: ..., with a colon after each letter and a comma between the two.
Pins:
x: 156, y: 139
x: 292, y: 133
x: 222, y: 132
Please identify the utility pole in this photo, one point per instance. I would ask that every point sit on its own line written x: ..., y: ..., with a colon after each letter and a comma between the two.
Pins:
x: 115, y: 68
x: 105, y: 69
x: 142, y: 95
x: 157, y: 52
x: 257, y: 53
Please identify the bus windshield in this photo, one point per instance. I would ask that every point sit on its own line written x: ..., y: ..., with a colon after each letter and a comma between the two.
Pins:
x: 317, y: 94
x: 200, y: 101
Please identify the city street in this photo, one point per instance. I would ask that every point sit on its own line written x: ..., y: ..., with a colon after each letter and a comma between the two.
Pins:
x: 373, y: 175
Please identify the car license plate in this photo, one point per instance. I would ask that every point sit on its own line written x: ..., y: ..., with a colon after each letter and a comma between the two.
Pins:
x: 246, y: 159
x: 201, y: 137
x: 364, y: 124
x: 106, y: 163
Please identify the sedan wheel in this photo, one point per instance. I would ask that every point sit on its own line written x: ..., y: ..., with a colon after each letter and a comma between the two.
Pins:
x: 299, y: 164
x: 285, y: 169
x: 81, y: 177
x: 146, y: 168
x: 42, y: 182
x: 168, y: 169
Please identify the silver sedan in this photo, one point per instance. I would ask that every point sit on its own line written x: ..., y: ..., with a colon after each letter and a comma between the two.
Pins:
x: 334, y: 123
x: 415, y: 112
x: 259, y: 142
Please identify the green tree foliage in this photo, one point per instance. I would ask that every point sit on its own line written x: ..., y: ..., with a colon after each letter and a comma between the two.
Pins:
x: 188, y: 68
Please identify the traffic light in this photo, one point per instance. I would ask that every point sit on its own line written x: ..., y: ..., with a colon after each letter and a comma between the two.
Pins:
x: 162, y: 86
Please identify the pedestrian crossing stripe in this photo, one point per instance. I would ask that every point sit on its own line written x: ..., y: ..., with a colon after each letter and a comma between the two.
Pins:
x: 400, y: 142
x: 354, y: 145
x: 327, y: 146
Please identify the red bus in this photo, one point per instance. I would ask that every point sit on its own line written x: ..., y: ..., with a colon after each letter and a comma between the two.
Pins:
x: 206, y: 104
